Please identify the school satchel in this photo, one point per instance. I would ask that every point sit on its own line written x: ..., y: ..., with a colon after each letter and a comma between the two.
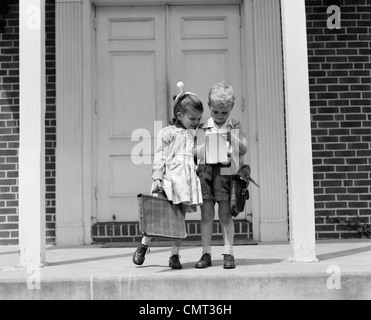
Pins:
x: 239, y: 190
x: 159, y: 217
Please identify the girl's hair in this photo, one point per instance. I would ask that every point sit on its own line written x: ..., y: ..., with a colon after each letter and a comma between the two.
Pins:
x: 184, y: 104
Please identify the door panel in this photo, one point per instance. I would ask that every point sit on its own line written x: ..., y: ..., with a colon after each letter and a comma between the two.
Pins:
x: 205, y: 49
x: 140, y: 58
x: 131, y: 94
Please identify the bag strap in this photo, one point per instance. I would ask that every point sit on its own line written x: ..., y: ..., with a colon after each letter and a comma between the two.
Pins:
x: 195, y: 148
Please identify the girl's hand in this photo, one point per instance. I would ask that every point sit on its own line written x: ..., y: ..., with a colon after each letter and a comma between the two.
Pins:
x: 157, y: 186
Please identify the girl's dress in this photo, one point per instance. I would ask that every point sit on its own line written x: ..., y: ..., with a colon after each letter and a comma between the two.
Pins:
x: 174, y: 164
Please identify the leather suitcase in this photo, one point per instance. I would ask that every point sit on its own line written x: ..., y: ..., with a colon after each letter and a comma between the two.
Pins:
x: 159, y: 217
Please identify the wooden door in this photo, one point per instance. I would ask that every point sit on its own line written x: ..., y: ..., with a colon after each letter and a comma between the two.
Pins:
x: 142, y: 52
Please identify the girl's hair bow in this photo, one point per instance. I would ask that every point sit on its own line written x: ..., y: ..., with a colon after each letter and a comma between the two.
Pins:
x: 182, y: 93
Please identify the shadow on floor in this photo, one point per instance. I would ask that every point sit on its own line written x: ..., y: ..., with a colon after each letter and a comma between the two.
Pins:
x: 344, y: 253
x: 100, y: 258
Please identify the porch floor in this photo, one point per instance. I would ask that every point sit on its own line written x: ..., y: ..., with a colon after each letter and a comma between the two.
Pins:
x: 263, y: 272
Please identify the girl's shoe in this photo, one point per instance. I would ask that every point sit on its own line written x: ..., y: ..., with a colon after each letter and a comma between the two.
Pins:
x: 204, y: 262
x: 140, y: 255
x: 229, y: 262
x: 174, y: 262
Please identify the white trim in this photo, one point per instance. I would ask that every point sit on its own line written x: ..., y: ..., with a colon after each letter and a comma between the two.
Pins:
x: 250, y: 94
x: 264, y: 72
x: 75, y: 38
x: 70, y: 99
x: 89, y: 115
x: 162, y: 2
x: 32, y: 134
x: 299, y: 136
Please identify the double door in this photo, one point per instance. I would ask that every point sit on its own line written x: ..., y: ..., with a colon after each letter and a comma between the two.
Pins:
x: 142, y: 52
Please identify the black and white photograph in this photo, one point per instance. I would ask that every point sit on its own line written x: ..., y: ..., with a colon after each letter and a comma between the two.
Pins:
x: 185, y: 156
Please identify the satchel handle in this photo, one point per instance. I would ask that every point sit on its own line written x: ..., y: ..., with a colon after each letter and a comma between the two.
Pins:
x: 159, y: 193
x: 157, y: 190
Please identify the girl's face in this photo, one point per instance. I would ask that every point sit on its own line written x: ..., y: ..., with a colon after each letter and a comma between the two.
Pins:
x: 190, y: 119
x: 220, y: 112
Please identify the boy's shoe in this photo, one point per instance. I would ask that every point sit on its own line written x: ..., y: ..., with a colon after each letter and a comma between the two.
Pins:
x: 229, y: 262
x: 174, y: 262
x: 140, y: 254
x: 204, y: 262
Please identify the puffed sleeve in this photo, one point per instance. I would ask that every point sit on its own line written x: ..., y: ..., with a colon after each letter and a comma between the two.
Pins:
x: 200, y: 146
x: 162, y: 152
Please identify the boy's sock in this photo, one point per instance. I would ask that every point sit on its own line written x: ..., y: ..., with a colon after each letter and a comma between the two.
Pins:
x: 146, y: 241
x: 228, y: 250
x: 206, y: 249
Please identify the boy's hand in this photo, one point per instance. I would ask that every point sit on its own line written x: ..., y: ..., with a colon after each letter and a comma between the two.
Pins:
x: 226, y: 135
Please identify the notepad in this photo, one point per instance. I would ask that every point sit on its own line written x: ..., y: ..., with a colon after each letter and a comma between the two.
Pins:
x: 216, y: 148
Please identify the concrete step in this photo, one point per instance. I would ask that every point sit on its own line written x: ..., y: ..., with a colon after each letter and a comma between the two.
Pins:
x: 263, y: 273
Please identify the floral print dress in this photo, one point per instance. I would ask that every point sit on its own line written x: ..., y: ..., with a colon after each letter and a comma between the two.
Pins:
x: 174, y: 165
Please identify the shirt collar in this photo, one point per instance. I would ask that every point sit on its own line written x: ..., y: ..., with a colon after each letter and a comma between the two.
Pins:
x: 211, y: 124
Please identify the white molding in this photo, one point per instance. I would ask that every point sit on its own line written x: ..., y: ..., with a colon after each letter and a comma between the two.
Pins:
x: 32, y: 135
x: 274, y: 231
x: 250, y: 94
x: 89, y: 98
x: 162, y: 2
x: 69, y: 151
x: 75, y: 116
x: 299, y: 137
x: 268, y: 126
x: 70, y: 235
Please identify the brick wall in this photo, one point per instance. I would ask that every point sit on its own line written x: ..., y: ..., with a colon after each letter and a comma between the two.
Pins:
x: 9, y: 125
x: 340, y: 86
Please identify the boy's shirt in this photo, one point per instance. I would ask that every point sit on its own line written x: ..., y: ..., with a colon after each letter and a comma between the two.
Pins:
x: 237, y: 149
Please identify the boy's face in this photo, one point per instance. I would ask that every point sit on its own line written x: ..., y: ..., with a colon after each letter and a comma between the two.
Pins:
x: 220, y: 112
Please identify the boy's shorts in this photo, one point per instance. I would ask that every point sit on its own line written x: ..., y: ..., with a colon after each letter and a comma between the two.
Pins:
x: 214, y: 186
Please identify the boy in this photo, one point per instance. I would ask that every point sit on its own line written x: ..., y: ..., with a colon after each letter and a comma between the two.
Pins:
x: 216, y: 178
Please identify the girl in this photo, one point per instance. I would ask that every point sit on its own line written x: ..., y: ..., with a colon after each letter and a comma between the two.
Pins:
x: 174, y: 168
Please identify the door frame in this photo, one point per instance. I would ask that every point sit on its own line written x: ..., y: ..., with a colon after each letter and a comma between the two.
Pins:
x: 103, y: 3
x: 95, y: 3
x: 72, y: 230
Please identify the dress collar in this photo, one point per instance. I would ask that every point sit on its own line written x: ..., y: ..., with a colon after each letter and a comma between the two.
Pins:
x: 185, y: 132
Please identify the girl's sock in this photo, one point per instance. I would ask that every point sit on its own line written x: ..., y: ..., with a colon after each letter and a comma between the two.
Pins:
x: 228, y: 250
x: 175, y: 248
x: 175, y: 251
x: 146, y: 241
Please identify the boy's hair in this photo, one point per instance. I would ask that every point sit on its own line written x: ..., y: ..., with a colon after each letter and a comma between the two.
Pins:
x: 222, y: 92
x: 186, y: 103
